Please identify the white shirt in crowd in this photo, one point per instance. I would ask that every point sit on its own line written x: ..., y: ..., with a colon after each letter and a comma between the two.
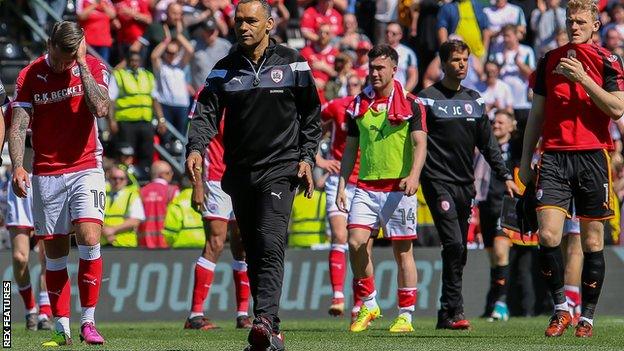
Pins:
x: 171, y: 85
x: 508, y: 14
x: 497, y: 95
x: 407, y: 59
x: 510, y: 73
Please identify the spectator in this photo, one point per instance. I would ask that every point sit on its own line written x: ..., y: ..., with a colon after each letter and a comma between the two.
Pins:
x: 173, y: 92
x: 361, y: 61
x: 158, y: 31
x: 133, y: 92
x: 184, y: 227
x: 613, y: 40
x: 617, y: 20
x: 58, y: 8
x: 351, y: 38
x: 547, y: 20
x: 337, y: 86
x: 496, y: 93
x: 314, y: 17
x: 209, y: 48
x: 281, y: 15
x: 94, y: 16
x: 425, y: 43
x: 407, y: 67
x: 205, y: 10
x: 133, y: 16
x: 386, y: 12
x: 123, y: 212
x: 474, y: 25
x: 502, y: 13
x: 517, y: 62
x: 155, y: 197
x: 321, y: 55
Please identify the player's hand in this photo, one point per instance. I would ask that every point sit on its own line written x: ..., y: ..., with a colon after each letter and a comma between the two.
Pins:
x: 109, y: 234
x: 197, y: 197
x: 409, y: 185
x: 512, y: 188
x: 341, y: 200
x: 113, y: 126
x: 305, y: 175
x: 572, y: 69
x: 81, y: 53
x: 20, y: 182
x: 331, y: 166
x: 194, y: 166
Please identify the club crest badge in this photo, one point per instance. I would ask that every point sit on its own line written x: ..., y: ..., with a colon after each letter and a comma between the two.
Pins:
x: 277, y: 75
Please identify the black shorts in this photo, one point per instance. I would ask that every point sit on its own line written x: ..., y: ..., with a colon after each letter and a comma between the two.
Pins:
x: 490, y: 222
x: 582, y: 178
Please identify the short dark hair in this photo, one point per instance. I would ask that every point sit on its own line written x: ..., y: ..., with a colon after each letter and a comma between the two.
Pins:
x: 383, y: 50
x: 509, y: 27
x: 264, y: 3
x: 66, y: 35
x: 451, y: 46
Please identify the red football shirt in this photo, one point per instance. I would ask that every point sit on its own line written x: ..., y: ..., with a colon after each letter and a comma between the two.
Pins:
x: 131, y: 29
x: 572, y: 121
x: 97, y: 25
x: 213, y: 161
x: 312, y: 19
x: 335, y: 112
x: 64, y: 131
x: 313, y: 53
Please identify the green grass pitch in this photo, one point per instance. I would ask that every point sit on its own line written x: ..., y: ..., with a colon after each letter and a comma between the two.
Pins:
x: 331, y: 334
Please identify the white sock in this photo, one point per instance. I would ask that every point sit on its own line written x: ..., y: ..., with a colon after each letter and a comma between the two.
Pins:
x: 88, y: 315
x: 370, y: 302
x: 32, y: 310
x: 44, y: 299
x: 196, y: 314
x: 407, y: 313
x: 89, y: 253
x: 590, y: 321
x: 338, y: 295
x: 62, y: 325
x: 206, y: 264
x: 239, y: 266
x: 562, y: 307
x: 241, y: 314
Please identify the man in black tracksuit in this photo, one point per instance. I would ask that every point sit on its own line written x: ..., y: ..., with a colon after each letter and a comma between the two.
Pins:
x: 266, y: 95
x: 456, y: 123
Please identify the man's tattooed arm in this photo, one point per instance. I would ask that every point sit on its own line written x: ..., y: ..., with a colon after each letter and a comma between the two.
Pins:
x: 95, y: 96
x: 17, y: 135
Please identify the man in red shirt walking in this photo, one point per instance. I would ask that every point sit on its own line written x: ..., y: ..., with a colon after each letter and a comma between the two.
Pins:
x: 578, y: 92
x: 62, y: 93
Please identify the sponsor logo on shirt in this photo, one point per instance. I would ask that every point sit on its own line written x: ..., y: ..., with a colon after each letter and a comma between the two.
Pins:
x: 58, y: 95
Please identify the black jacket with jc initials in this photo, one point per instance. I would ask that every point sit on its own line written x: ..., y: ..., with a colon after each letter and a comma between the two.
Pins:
x: 271, y: 110
x: 457, y: 123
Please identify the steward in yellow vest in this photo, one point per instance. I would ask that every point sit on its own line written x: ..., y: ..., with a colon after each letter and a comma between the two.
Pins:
x: 123, y: 211
x: 307, y: 226
x: 184, y: 227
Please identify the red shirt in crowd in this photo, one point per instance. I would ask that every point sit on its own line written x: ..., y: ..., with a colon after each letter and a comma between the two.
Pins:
x: 572, y: 121
x: 131, y: 29
x: 64, y: 131
x: 97, y: 26
x: 312, y: 53
x: 312, y: 19
x: 155, y: 196
x: 335, y: 112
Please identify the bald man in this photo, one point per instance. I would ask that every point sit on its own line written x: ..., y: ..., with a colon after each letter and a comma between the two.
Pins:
x: 156, y: 195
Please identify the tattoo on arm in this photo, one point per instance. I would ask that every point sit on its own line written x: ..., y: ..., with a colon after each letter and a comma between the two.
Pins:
x: 17, y: 136
x: 96, y: 97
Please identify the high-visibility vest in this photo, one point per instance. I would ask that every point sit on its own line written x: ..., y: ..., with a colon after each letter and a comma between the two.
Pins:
x: 116, y: 213
x: 308, y: 220
x: 184, y: 227
x: 134, y: 102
